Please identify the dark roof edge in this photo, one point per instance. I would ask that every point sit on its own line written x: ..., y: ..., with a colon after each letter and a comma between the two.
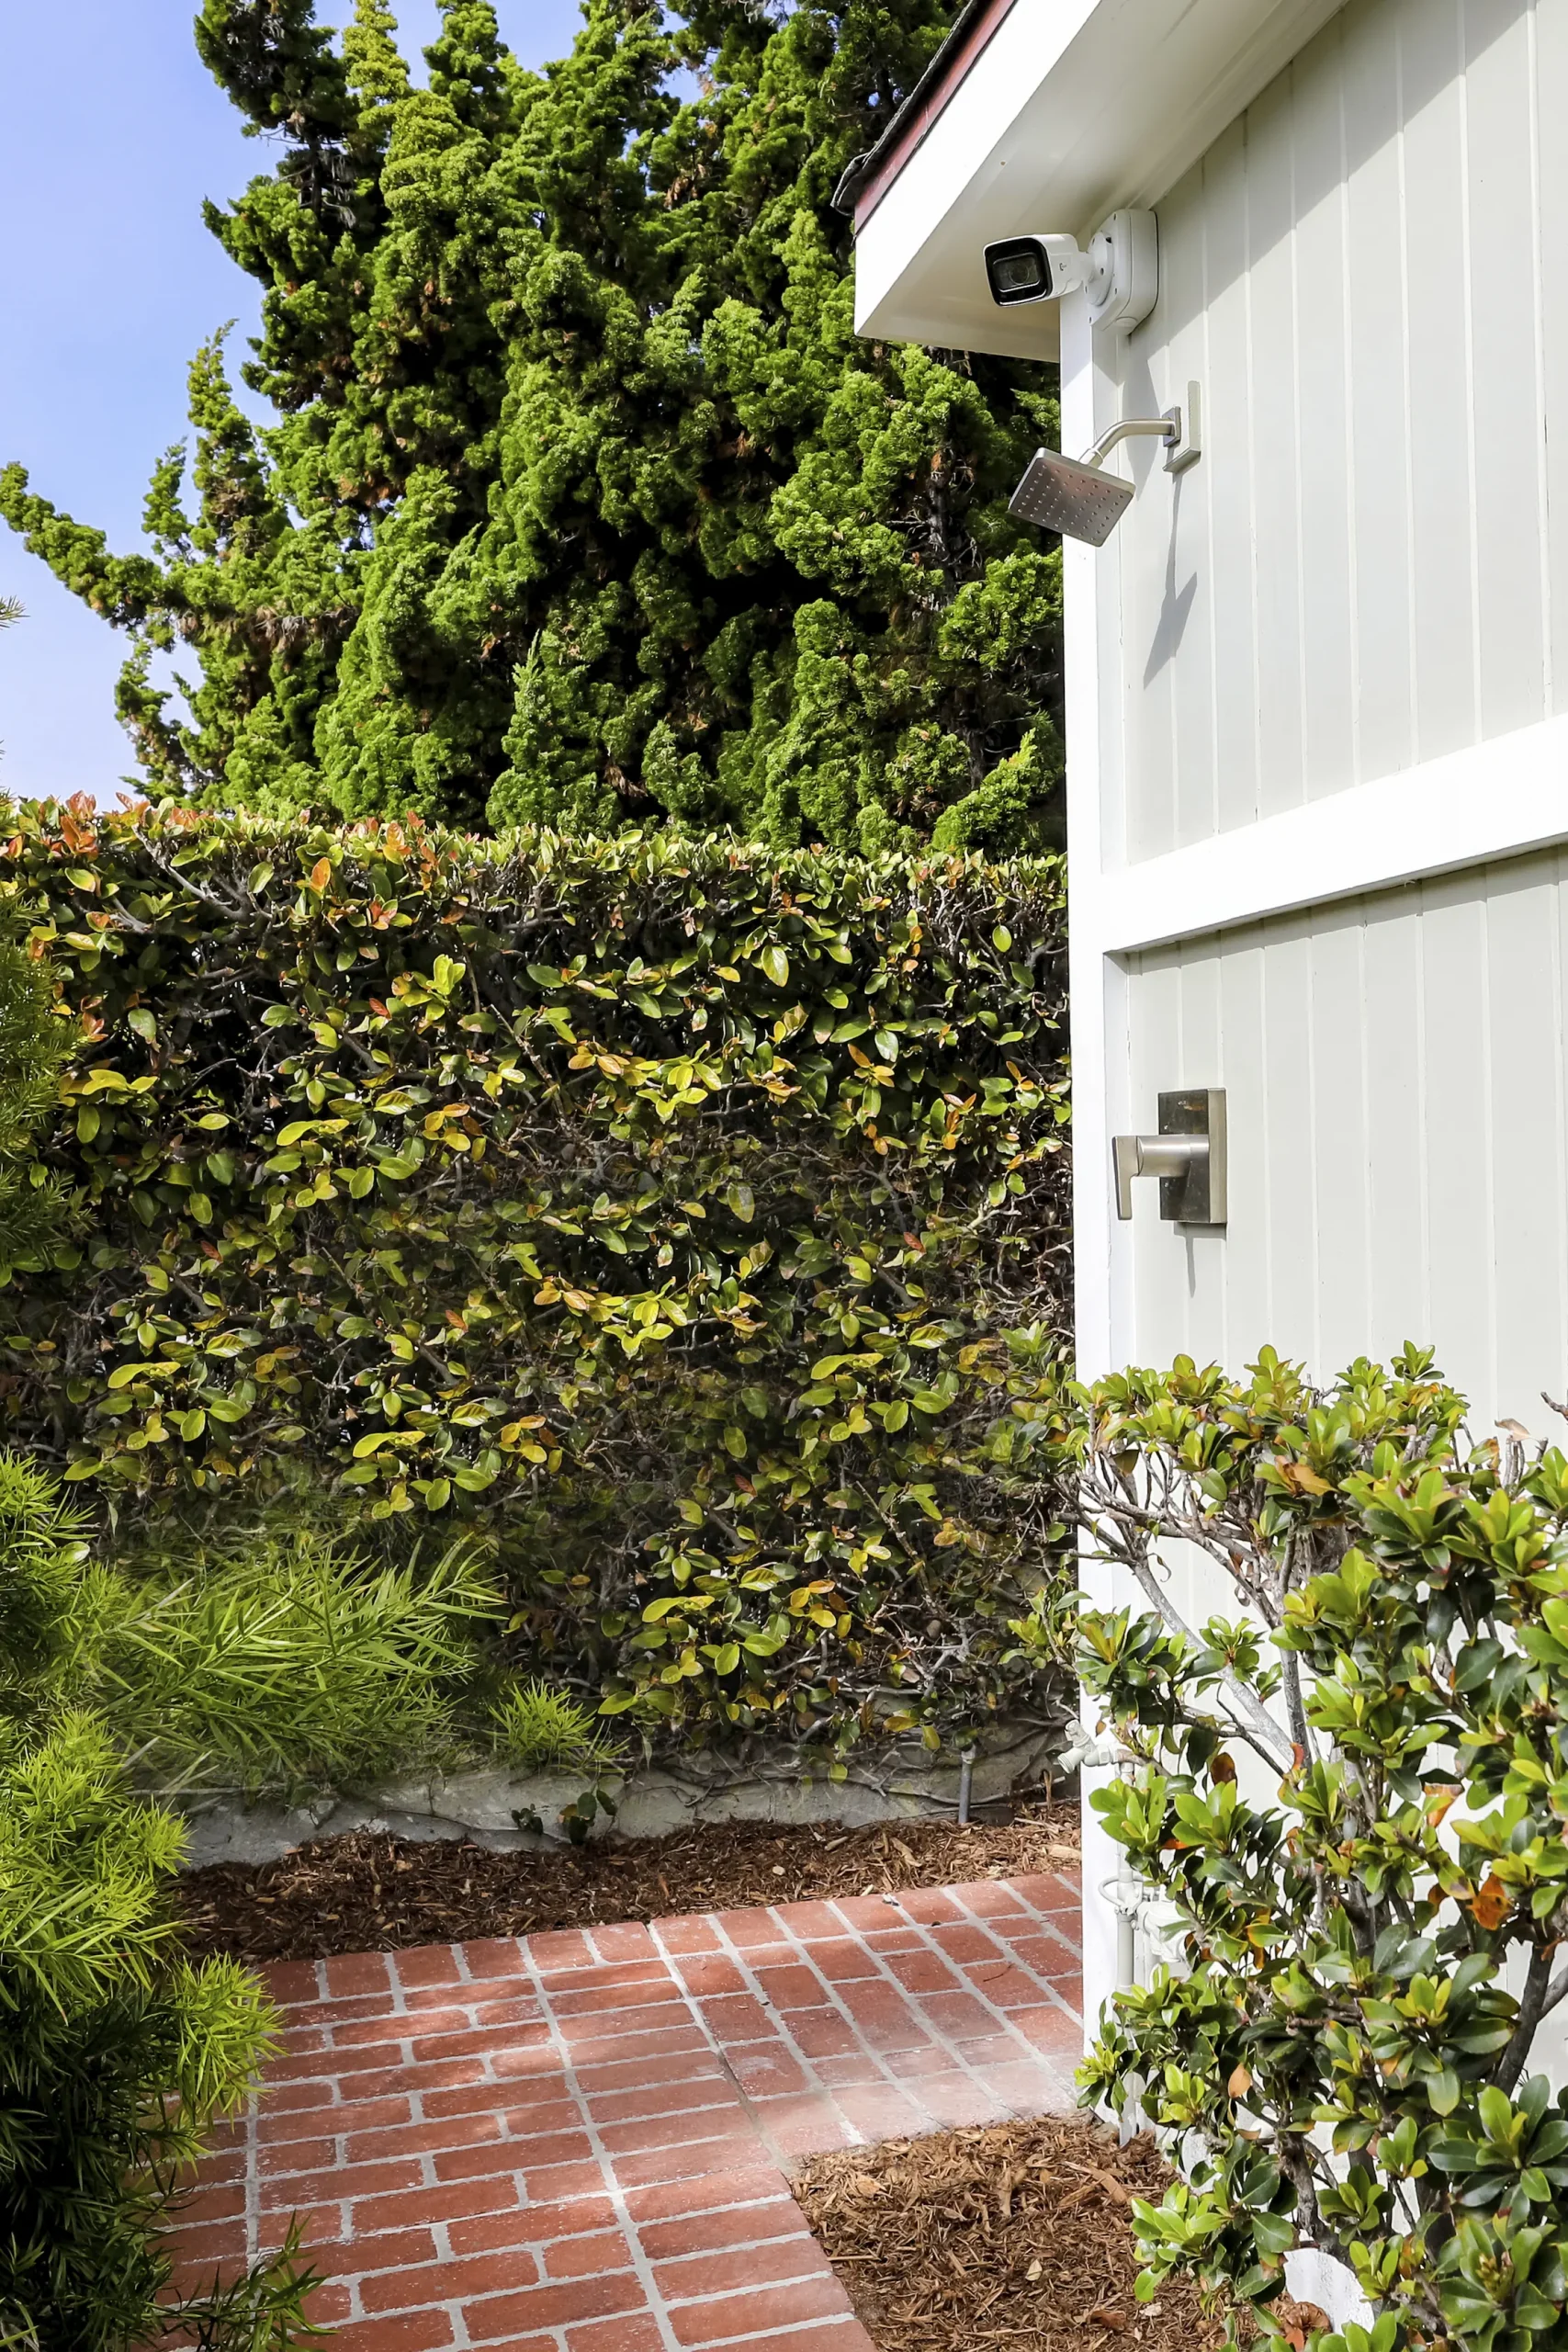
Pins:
x: 860, y: 169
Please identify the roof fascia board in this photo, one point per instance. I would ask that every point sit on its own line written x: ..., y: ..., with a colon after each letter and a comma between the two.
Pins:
x: 1069, y: 109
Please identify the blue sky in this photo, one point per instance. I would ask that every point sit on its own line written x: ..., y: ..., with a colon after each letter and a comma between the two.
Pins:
x: 108, y: 281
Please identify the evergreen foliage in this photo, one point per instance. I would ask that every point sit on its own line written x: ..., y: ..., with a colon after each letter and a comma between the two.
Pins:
x: 114, y: 2053
x: 582, y: 504
x: 690, y: 1224
x: 1352, y: 1795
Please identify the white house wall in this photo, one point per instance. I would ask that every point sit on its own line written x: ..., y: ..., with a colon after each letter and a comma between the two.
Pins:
x: 1370, y: 567
x: 1398, y: 1135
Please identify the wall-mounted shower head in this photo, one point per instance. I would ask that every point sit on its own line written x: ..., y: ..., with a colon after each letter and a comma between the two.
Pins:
x: 1076, y: 495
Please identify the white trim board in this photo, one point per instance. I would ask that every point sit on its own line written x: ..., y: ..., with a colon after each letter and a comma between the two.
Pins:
x: 1493, y: 799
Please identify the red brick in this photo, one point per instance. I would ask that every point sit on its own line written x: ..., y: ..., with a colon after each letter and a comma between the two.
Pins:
x: 627, y: 1940
x: 776, y: 2216
x: 561, y: 1947
x: 961, y: 2016
x: 844, y: 2334
x: 338, y: 2185
x: 294, y: 2155
x: 448, y: 2282
x: 907, y: 2065
x: 953, y: 2100
x: 864, y: 1911
x: 437, y: 2073
x: 741, y: 2314
x: 686, y: 2065
x: 554, y: 2184
x: 496, y: 1956
x: 627, y: 2332
x: 885, y: 2020
x: 427, y: 1965
x: 796, y: 1986
x: 552, y: 2149
x: 274, y: 2128
x: 924, y: 1971
x: 592, y: 2256
x: 599, y: 2049
x: 685, y: 2161
x: 966, y: 1943
x: 311, y: 2066
x: 844, y: 1960
x: 927, y: 1904
x: 553, y: 2306
x: 481, y: 2041
x: 431, y: 2137
x: 749, y: 2185
x: 682, y: 1935
x: 673, y: 2129
x: 620, y: 1992
x: 989, y: 1897
x: 1005, y: 1987
x: 547, y: 2109
x: 822, y: 2033
x: 880, y: 2114
x: 886, y: 1940
x: 1049, y: 2028
x: 742, y: 2268
x: 414, y: 2332
x: 359, y: 1971
x: 1034, y: 2086
x: 802, y: 2127
x: 292, y: 1980
x: 389, y: 2250
x: 537, y: 2225
x: 858, y: 2066
x: 220, y: 2202
x: 213, y: 2241
x: 453, y: 2202
x: 747, y: 1928
x: 710, y: 1971
x: 675, y: 2094
x: 288, y: 2096
x: 736, y: 2017
x: 1047, y: 1956
x: 768, y: 2070
x: 811, y: 1923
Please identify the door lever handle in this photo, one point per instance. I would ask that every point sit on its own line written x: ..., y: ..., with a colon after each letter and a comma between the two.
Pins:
x: 1187, y: 1156
x: 1164, y: 1156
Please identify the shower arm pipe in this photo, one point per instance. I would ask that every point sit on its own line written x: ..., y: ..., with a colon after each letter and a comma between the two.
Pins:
x: 1103, y: 443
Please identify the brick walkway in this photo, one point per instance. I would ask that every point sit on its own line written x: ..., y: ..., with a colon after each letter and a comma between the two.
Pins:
x: 581, y: 2143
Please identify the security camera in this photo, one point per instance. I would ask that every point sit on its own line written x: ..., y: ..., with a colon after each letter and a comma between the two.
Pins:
x: 1119, y: 275
x: 1035, y: 269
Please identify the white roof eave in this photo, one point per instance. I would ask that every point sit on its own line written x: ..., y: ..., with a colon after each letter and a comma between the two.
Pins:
x: 1073, y: 108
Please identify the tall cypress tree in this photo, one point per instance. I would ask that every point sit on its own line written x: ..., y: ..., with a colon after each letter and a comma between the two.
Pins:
x: 582, y: 502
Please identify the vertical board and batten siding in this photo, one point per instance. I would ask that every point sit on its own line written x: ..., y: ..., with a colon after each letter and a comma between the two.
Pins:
x: 1399, y: 1134
x: 1370, y: 567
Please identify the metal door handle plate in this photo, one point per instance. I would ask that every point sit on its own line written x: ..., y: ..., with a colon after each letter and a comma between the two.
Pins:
x: 1187, y: 1156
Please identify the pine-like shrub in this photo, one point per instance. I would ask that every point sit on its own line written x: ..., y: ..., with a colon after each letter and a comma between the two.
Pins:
x: 1354, y: 1797
x: 114, y: 2053
x: 688, y: 1222
x: 581, y: 501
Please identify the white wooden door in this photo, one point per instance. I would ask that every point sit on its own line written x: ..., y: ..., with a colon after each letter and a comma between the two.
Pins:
x: 1318, y: 765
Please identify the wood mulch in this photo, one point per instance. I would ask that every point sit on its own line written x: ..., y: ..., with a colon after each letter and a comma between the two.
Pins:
x: 1012, y: 2233
x: 371, y: 1893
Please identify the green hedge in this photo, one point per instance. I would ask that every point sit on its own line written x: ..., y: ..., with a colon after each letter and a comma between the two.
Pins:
x: 690, y: 1220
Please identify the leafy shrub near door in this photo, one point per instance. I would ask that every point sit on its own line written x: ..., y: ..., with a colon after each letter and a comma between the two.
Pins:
x: 687, y: 1221
x: 1354, y: 1796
